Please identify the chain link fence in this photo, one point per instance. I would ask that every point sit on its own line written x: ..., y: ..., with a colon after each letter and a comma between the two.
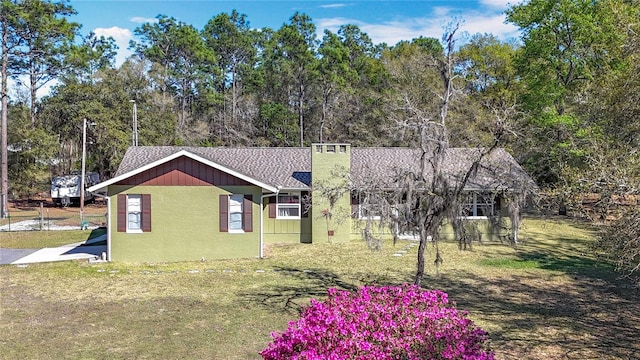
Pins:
x: 44, y: 218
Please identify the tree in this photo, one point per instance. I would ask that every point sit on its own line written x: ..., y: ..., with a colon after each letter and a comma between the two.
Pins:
x: 45, y: 37
x: 566, y: 45
x: 427, y: 194
x: 8, y: 20
x: 488, y: 67
x: 361, y: 120
x: 279, y: 124
x: 290, y: 65
x: 95, y: 53
x: 232, y: 41
x: 490, y: 83
x: 181, y: 54
x: 33, y: 151
x: 334, y: 75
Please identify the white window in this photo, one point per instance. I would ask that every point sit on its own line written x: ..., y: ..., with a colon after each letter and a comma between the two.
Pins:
x: 134, y: 213
x: 479, y: 205
x: 288, y: 205
x: 235, y: 212
x: 369, y: 206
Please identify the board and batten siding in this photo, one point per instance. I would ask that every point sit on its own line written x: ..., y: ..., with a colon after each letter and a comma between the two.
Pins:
x: 183, y: 171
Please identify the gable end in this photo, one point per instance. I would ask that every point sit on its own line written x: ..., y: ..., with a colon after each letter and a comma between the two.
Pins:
x: 183, y: 171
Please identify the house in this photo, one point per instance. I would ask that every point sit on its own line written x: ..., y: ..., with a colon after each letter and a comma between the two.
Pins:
x: 189, y: 203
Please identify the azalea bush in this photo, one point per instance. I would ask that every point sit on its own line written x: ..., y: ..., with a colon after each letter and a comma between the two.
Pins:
x: 390, y: 322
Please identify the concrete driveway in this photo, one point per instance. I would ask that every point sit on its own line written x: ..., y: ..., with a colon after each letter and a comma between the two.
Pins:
x: 7, y: 256
x: 76, y: 251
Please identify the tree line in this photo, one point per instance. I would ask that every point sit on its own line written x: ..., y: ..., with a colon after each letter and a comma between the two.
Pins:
x: 566, y: 92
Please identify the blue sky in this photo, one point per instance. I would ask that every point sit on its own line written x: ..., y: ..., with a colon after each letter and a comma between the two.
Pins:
x: 383, y: 21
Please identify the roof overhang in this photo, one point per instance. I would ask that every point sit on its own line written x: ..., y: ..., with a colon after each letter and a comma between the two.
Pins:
x: 102, y: 187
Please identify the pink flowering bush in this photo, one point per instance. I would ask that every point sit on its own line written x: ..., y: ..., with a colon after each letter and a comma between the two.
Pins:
x: 390, y: 322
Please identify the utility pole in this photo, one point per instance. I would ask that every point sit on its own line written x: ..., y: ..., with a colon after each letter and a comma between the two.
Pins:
x: 134, y: 135
x: 84, y: 156
x: 4, y: 164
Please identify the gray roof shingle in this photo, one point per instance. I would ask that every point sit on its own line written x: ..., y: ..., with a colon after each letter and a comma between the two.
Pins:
x: 290, y: 167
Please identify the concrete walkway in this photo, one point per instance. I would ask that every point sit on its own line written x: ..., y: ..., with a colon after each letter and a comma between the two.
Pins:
x: 76, y: 251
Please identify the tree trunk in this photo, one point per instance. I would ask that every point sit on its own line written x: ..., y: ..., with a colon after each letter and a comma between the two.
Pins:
x: 301, y: 114
x: 233, y: 95
x: 420, y: 265
x: 34, y: 96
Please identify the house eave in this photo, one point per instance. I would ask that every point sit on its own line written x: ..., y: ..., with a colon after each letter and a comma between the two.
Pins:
x: 104, y: 185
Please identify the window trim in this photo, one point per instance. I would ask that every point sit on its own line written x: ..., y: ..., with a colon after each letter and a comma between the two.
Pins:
x: 359, y: 208
x: 129, y: 229
x: 229, y: 212
x: 297, y: 205
x: 474, y: 201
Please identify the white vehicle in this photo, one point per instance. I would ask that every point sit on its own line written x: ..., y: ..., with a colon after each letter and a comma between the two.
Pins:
x: 65, y: 189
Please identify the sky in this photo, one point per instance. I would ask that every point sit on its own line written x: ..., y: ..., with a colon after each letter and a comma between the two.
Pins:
x: 384, y: 21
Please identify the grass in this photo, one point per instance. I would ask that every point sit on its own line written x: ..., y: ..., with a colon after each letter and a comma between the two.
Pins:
x: 547, y: 298
x: 41, y: 239
x: 509, y: 263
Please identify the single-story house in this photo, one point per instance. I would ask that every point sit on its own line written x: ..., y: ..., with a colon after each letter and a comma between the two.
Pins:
x: 169, y: 203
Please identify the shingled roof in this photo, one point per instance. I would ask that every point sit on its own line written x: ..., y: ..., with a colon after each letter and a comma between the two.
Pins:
x: 286, y: 167
x: 290, y: 168
x: 497, y: 170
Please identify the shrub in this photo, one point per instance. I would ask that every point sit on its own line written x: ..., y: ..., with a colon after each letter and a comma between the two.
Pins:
x: 394, y: 322
x: 620, y: 244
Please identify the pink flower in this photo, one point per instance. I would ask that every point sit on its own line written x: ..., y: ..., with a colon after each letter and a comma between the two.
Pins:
x: 389, y: 322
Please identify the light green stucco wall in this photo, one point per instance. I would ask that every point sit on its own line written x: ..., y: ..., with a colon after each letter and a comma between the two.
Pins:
x: 329, y: 169
x: 285, y: 230
x: 185, y: 226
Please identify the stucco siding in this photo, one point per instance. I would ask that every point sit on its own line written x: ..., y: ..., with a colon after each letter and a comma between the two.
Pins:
x: 185, y: 226
x: 330, y: 166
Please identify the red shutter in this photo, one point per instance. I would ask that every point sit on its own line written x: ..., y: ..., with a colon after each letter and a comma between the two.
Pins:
x: 122, y: 213
x: 224, y: 213
x: 272, y: 207
x: 247, y: 216
x: 146, y: 212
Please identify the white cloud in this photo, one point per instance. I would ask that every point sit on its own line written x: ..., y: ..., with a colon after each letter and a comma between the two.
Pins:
x: 500, y: 4
x: 393, y: 31
x: 122, y: 37
x: 491, y: 24
x: 143, y: 20
x: 333, y: 6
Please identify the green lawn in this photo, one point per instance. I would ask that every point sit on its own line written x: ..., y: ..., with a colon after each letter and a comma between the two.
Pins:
x: 41, y: 239
x: 545, y: 299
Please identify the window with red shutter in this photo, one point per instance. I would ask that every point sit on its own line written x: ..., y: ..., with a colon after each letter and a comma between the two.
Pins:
x: 247, y: 209
x: 146, y: 212
x: 134, y: 213
x: 122, y: 212
x: 223, y: 213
